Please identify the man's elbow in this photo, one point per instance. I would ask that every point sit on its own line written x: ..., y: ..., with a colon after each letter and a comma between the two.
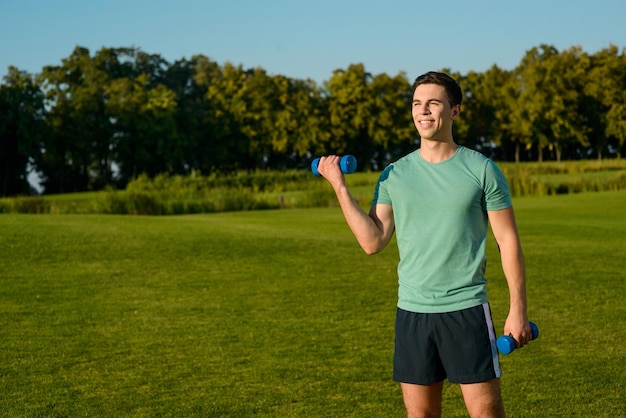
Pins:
x: 371, y: 249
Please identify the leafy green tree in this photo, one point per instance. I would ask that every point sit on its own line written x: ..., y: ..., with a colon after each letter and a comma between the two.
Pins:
x: 492, y: 94
x: 528, y: 100
x: 231, y: 119
x: 77, y: 154
x: 259, y: 120
x: 306, y: 107
x: 189, y: 80
x: 350, y: 106
x: 483, y: 120
x: 605, y: 87
x: 390, y: 124
x: 563, y: 85
x: 144, y: 126
x: 22, y: 129
x: 545, y: 99
x: 108, y: 111
x: 616, y: 124
x: 266, y: 120
x: 297, y: 121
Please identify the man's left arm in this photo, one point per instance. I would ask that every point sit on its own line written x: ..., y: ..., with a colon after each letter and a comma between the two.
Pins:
x: 505, y: 232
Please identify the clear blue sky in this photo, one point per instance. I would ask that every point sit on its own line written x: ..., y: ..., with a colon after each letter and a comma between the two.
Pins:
x: 310, y: 39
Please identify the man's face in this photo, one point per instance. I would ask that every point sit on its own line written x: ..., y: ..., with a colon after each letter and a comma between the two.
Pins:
x: 432, y: 113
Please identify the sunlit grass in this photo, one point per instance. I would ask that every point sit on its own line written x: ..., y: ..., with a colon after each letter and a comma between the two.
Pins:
x: 279, y: 313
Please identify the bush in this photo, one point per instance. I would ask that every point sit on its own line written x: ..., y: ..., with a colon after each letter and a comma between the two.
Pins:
x: 25, y: 204
x: 258, y: 190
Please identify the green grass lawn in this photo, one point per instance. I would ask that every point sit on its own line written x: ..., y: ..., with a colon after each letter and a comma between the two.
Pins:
x: 280, y: 314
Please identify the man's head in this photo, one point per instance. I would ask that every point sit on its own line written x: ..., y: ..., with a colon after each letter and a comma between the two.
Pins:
x: 453, y: 90
x: 436, y: 104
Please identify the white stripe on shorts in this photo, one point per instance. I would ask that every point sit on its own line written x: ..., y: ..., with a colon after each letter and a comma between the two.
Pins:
x: 492, y: 340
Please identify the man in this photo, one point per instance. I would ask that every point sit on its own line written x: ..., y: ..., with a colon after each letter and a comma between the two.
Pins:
x: 440, y: 200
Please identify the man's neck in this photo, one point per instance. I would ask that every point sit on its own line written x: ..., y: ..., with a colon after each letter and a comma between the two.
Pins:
x: 435, y: 151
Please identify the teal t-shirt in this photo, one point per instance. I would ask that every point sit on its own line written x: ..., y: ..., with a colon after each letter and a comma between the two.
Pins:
x: 440, y: 213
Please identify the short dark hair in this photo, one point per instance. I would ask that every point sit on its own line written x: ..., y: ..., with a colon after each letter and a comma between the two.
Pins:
x: 453, y: 90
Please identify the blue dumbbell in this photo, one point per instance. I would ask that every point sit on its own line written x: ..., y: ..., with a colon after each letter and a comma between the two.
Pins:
x: 506, y: 344
x: 347, y: 165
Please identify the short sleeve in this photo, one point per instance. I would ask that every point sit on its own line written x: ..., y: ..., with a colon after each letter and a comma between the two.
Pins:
x: 381, y: 193
x: 497, y: 193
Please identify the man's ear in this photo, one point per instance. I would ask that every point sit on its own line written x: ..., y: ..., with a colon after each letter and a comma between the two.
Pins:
x: 456, y: 111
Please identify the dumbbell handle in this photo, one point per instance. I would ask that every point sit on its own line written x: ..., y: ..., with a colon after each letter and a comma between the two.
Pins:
x: 506, y: 343
x: 347, y: 165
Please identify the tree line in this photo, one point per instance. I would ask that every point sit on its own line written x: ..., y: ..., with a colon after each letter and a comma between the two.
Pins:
x: 100, y: 120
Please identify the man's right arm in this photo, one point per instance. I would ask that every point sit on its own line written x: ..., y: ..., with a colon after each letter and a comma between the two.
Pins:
x: 372, y: 231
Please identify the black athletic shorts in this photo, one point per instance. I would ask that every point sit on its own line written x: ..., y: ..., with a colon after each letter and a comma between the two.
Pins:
x: 459, y: 346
